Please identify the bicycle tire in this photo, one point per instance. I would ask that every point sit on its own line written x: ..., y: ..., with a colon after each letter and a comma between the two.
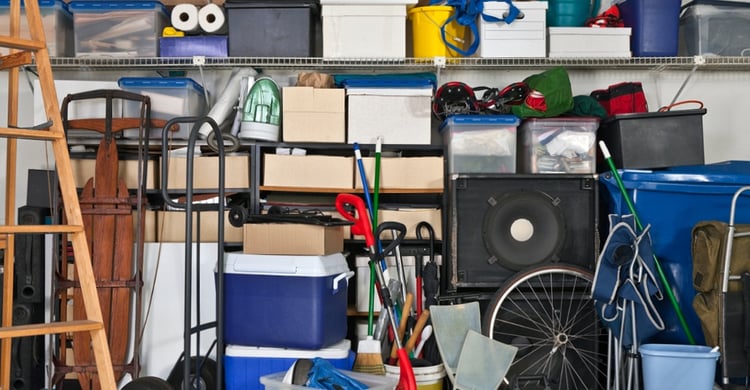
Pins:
x: 547, y: 313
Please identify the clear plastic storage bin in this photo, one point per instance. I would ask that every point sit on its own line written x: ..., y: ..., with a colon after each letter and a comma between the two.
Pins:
x: 557, y: 145
x: 57, y: 21
x: 480, y: 143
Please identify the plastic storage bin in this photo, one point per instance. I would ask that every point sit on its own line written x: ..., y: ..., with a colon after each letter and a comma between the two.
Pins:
x: 57, y: 21
x: 524, y: 37
x: 245, y: 365
x: 263, y: 28
x: 373, y: 382
x: 654, y: 139
x: 118, y: 28
x: 557, y: 145
x: 170, y: 97
x: 655, y: 26
x: 715, y: 27
x: 675, y: 366
x: 285, y: 301
x: 588, y: 42
x: 364, y: 28
x: 672, y: 201
x: 427, y: 40
x: 480, y: 143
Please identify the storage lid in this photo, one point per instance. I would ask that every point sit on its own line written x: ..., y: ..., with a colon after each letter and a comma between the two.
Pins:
x: 469, y: 120
x: 706, y: 178
x: 340, y: 350
x: 590, y: 122
x: 718, y: 3
x: 652, y: 115
x: 312, y: 4
x: 284, y: 265
x: 109, y: 6
x: 388, y: 82
x: 367, y: 2
x: 42, y: 4
x: 159, y: 82
x: 589, y: 31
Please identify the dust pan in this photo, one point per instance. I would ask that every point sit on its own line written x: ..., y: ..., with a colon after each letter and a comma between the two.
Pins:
x: 471, y: 360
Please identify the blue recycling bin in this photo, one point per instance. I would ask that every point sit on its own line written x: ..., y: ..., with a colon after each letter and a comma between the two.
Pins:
x: 672, y: 201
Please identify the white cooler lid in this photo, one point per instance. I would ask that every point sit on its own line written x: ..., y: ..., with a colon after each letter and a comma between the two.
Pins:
x: 336, y: 351
x: 368, y: 2
x: 284, y: 265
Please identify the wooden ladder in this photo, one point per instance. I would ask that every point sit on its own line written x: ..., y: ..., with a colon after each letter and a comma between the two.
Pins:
x: 23, y: 52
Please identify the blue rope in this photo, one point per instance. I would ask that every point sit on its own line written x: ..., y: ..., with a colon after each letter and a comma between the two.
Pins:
x: 466, y: 13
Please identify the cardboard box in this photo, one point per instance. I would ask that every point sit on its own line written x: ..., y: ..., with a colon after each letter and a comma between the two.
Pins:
x: 313, y: 114
x: 170, y: 227
x: 410, y: 217
x: 308, y: 171
x: 206, y: 172
x: 149, y: 225
x: 127, y: 170
x: 403, y: 173
x: 292, y: 239
x: 399, y: 115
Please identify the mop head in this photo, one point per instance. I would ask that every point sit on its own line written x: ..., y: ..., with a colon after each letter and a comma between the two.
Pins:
x: 369, y: 357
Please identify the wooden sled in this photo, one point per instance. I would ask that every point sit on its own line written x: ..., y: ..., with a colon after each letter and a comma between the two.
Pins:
x: 107, y: 210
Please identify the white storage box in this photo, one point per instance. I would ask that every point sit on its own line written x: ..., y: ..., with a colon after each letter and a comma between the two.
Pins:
x: 285, y: 301
x: 57, y: 21
x: 245, y: 365
x: 480, y: 143
x: 118, y: 28
x: 399, y: 115
x: 364, y: 28
x: 524, y: 37
x: 589, y: 42
x: 171, y: 97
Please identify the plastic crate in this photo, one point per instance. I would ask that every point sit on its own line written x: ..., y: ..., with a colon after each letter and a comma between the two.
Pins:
x: 480, y: 143
x: 57, y: 21
x: 557, y: 145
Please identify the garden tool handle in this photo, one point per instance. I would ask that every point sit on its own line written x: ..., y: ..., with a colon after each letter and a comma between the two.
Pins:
x: 361, y: 220
x: 404, y: 321
x: 400, y: 229
x: 406, y: 380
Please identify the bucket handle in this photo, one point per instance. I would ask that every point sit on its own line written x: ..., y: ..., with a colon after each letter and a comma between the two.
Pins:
x: 344, y: 275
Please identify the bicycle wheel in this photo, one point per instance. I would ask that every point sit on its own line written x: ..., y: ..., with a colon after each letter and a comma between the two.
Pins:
x: 548, y: 313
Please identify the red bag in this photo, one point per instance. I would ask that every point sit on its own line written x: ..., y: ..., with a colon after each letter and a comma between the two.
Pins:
x: 622, y: 98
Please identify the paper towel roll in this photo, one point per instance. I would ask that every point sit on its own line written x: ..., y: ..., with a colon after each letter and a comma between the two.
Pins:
x: 212, y: 20
x: 184, y: 17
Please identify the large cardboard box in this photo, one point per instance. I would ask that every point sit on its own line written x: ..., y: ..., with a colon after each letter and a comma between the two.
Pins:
x: 149, y: 225
x: 292, y: 239
x: 399, y: 115
x: 206, y: 172
x: 308, y: 171
x: 170, y: 227
x: 404, y: 173
x: 127, y: 170
x: 313, y: 114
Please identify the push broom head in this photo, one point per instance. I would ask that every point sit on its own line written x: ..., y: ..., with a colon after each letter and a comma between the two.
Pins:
x: 369, y: 358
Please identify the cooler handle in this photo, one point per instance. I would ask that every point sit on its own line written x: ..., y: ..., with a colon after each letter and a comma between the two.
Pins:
x: 344, y: 275
x: 266, y: 268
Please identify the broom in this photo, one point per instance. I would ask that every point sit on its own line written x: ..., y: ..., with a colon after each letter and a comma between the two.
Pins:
x: 369, y: 355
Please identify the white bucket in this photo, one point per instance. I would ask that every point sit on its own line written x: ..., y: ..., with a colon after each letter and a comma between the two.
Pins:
x: 428, y: 378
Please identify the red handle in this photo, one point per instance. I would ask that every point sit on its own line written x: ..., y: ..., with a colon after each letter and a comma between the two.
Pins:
x: 406, y: 380
x: 362, y: 225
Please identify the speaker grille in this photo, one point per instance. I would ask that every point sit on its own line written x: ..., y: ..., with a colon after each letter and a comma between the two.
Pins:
x: 500, y: 224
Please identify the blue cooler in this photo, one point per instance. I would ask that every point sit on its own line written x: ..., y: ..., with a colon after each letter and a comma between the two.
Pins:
x: 672, y: 201
x: 243, y: 366
x: 285, y: 301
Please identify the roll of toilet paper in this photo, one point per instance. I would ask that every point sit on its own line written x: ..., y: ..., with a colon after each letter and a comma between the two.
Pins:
x: 184, y: 17
x: 211, y: 19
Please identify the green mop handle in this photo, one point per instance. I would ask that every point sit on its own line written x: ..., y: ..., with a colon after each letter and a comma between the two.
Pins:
x: 631, y: 207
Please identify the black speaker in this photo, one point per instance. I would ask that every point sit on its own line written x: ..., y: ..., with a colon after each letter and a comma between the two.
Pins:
x: 27, y: 353
x: 500, y: 224
x: 29, y: 257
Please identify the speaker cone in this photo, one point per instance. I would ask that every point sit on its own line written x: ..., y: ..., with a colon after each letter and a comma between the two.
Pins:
x: 522, y: 229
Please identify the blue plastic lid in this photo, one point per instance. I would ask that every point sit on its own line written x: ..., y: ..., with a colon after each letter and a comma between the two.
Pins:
x: 42, y: 3
x: 386, y: 82
x: 159, y: 82
x: 108, y: 6
x: 473, y: 119
x: 732, y: 173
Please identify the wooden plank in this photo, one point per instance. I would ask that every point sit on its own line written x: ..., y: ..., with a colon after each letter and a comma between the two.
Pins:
x: 15, y: 60
x: 13, y: 229
x: 49, y: 328
x: 30, y: 134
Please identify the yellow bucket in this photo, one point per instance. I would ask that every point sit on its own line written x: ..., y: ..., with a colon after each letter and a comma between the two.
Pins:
x: 427, y: 40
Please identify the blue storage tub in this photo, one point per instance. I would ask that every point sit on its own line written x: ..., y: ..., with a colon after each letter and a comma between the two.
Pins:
x: 672, y: 201
x: 285, y: 301
x: 243, y: 366
x: 656, y: 25
x: 675, y: 366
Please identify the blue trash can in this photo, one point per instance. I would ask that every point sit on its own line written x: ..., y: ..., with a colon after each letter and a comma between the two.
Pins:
x: 672, y: 201
x: 673, y: 366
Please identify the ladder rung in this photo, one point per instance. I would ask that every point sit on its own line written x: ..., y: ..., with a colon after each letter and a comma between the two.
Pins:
x: 21, y: 44
x: 49, y: 328
x: 15, y: 60
x: 21, y: 229
x: 30, y: 134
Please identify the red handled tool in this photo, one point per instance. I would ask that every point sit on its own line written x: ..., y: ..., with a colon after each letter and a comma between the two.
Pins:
x: 359, y: 215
